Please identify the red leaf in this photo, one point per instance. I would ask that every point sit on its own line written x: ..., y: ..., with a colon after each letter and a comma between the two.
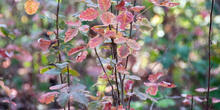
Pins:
x: 137, y: 8
x: 123, y: 51
x: 155, y: 77
x: 75, y: 50
x: 133, y: 44
x: 104, y: 4
x: 48, y: 97
x: 70, y: 34
x: 76, y: 23
x: 124, y: 19
x: 107, y: 18
x: 89, y: 14
x: 3, y: 53
x: 165, y: 3
x: 44, y: 44
x: 84, y: 28
x: 167, y: 84
x: 94, y: 42
x: 81, y: 56
x: 152, y: 90
x: 120, y: 40
x: 59, y: 86
x: 121, y: 6
x: 107, y: 106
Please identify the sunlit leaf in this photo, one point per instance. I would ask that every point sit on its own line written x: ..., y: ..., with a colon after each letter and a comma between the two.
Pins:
x: 104, y: 4
x: 124, y: 19
x: 71, y: 71
x: 107, y: 18
x: 89, y: 14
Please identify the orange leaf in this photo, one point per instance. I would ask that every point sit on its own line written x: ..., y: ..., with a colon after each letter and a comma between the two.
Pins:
x: 124, y: 19
x: 44, y: 44
x: 70, y: 34
x: 104, y: 4
x: 75, y: 50
x: 89, y: 14
x: 133, y: 44
x: 48, y: 97
x: 31, y: 6
x: 123, y: 51
x: 94, y: 42
x: 107, y: 18
x: 137, y: 8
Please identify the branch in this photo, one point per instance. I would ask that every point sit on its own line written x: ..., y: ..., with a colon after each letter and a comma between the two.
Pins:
x: 209, y: 54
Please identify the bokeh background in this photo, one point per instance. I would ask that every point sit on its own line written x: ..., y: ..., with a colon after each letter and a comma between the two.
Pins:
x: 177, y: 46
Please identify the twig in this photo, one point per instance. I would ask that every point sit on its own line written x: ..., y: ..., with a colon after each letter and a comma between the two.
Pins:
x: 152, y: 105
x: 104, y: 72
x: 209, y: 54
x: 68, y: 81
x: 191, y: 107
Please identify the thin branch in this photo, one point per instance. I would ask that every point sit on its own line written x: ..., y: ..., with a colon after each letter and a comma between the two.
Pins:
x: 104, y: 71
x: 209, y: 54
x: 191, y: 107
x: 68, y: 81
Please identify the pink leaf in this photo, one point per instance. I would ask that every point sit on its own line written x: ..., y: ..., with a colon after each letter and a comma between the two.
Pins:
x: 120, y: 40
x: 123, y: 51
x: 155, y: 77
x: 201, y: 90
x: 94, y: 42
x: 48, y: 97
x: 128, y: 85
x: 133, y: 44
x: 167, y: 84
x: 81, y: 56
x: 89, y: 14
x: 76, y: 23
x: 215, y: 100
x: 137, y: 8
x: 59, y: 86
x: 121, y: 69
x: 152, y: 90
x: 84, y: 28
x: 124, y: 19
x: 107, y: 18
x: 70, y: 34
x: 75, y: 50
x: 109, y: 34
x: 104, y: 4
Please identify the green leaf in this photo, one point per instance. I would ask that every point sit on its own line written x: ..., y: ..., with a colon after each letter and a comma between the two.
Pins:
x: 164, y: 103
x: 72, y: 72
x: 53, y: 71
x: 43, y: 70
x: 11, y: 36
x: 63, y: 99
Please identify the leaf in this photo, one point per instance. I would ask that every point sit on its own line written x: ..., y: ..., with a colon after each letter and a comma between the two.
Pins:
x: 107, y: 18
x: 71, y: 71
x: 31, y: 6
x: 152, y: 90
x: 164, y: 103
x: 155, y: 77
x: 53, y: 71
x: 63, y: 98
x: 137, y: 8
x: 77, y: 94
x: 202, y: 90
x: 70, y: 34
x: 43, y: 70
x: 93, y: 105
x: 48, y: 97
x: 81, y: 56
x: 76, y: 23
x: 143, y: 96
x: 84, y: 28
x: 44, y: 44
x: 110, y: 34
x: 94, y: 42
x: 120, y: 40
x: 76, y: 49
x: 124, y: 19
x: 122, y: 69
x: 121, y: 6
x: 133, y: 77
x: 144, y: 25
x: 123, y: 51
x: 133, y: 44
x: 104, y: 4
x: 215, y: 100
x: 62, y: 65
x: 167, y: 84
x: 89, y: 14
x: 99, y: 29
x: 58, y: 87
x: 165, y: 3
